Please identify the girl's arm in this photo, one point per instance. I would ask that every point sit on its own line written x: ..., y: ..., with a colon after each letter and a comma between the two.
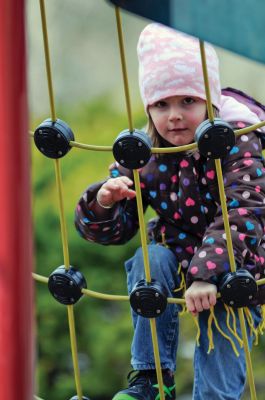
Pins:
x: 107, y: 211
x: 243, y: 172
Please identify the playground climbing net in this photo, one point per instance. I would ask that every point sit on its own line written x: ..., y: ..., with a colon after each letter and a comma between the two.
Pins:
x: 54, y: 139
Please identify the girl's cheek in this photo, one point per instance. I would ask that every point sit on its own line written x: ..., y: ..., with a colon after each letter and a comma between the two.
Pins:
x: 198, y: 118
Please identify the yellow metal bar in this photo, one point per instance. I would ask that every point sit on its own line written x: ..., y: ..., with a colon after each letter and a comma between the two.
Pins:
x: 154, y: 150
x: 206, y: 83
x: 173, y: 300
x: 124, y: 68
x: 250, y: 128
x: 142, y: 225
x: 47, y: 59
x: 115, y: 297
x: 70, y: 310
x: 148, y: 279
x: 158, y: 150
x: 104, y: 296
x: 186, y: 147
x: 157, y: 359
x: 89, y: 146
x: 40, y: 278
x: 250, y: 374
x: 225, y: 215
x: 62, y: 215
x: 59, y: 187
x: 233, y: 269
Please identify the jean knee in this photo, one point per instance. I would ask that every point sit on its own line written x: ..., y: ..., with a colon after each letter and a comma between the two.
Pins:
x: 162, y: 262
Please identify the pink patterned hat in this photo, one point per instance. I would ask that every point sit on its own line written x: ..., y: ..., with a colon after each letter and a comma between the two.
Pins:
x: 170, y: 65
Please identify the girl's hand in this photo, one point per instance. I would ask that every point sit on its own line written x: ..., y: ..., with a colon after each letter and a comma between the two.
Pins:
x: 200, y: 296
x: 115, y: 189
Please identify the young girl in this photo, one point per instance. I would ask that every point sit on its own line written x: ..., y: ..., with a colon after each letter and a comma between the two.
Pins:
x: 188, y: 231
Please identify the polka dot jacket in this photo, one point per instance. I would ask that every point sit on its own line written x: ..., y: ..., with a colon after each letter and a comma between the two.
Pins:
x: 182, y: 189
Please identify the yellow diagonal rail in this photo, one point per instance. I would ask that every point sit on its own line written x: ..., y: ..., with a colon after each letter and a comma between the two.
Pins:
x: 47, y: 58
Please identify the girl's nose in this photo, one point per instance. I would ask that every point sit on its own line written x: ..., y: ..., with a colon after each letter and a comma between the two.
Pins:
x: 175, y: 114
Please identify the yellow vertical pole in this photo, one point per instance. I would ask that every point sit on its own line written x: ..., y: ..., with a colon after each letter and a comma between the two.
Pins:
x: 71, y: 321
x: 139, y: 206
x: 227, y: 228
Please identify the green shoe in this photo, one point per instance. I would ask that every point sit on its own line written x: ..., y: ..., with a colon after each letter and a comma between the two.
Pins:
x: 143, y: 386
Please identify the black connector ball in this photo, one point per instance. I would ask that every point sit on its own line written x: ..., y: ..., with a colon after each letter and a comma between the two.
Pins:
x: 238, y: 289
x: 52, y: 138
x: 66, y: 285
x: 215, y: 139
x: 132, y: 150
x: 148, y: 299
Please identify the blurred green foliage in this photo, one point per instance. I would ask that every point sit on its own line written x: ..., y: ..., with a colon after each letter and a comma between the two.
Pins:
x: 103, y: 328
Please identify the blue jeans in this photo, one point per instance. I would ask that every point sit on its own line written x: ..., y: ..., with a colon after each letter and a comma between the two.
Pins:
x: 219, y: 375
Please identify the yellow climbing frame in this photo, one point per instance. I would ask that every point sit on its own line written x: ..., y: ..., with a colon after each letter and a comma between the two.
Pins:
x: 70, y: 308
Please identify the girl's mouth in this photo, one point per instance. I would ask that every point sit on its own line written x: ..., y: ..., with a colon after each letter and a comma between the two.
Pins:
x: 177, y: 130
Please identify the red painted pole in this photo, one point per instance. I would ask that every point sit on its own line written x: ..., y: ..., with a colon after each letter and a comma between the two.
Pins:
x: 16, y: 355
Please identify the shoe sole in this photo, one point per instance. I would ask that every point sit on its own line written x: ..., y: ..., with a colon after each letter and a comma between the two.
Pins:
x: 123, y: 397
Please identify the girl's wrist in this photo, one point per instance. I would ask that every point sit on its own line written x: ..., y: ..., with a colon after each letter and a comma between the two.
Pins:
x: 102, y: 205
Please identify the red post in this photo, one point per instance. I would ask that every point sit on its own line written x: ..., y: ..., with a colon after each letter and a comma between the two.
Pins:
x: 16, y: 356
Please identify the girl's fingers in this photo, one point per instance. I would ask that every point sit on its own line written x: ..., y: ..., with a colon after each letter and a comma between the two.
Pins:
x: 206, y: 302
x: 104, y: 193
x: 198, y: 304
x: 120, y: 180
x: 212, y: 299
x: 132, y: 194
x: 127, y: 180
x: 116, y: 189
x: 123, y: 192
x: 190, y: 304
x: 120, y: 188
x: 200, y: 296
x: 118, y: 183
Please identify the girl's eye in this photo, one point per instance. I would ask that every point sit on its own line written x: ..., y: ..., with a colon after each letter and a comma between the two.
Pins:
x: 160, y: 104
x: 188, y: 100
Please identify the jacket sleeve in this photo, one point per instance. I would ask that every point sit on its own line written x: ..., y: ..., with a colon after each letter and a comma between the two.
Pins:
x: 120, y: 223
x: 243, y: 172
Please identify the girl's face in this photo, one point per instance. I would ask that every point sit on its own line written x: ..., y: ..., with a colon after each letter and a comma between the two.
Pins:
x: 176, y: 118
